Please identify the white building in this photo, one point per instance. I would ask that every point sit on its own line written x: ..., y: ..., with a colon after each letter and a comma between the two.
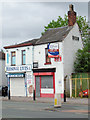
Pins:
x: 29, y: 66
x: 3, y: 79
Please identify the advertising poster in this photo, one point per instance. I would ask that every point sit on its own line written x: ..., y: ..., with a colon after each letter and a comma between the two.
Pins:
x: 53, y: 50
x: 29, y: 85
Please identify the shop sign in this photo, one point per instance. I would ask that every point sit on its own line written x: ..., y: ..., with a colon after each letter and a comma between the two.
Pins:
x: 23, y: 68
x: 53, y: 50
x: 59, y: 59
x: 15, y: 75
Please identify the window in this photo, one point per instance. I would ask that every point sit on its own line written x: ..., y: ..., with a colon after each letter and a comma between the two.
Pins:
x: 75, y: 38
x: 7, y: 58
x: 48, y: 60
x: 46, y: 81
x: 13, y: 58
x: 23, y: 57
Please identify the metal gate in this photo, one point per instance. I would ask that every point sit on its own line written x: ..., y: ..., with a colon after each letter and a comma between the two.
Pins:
x: 37, y: 86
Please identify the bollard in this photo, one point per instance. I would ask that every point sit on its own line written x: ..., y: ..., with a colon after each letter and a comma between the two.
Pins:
x: 57, y: 101
x: 64, y: 96
x: 9, y: 94
x: 34, y: 95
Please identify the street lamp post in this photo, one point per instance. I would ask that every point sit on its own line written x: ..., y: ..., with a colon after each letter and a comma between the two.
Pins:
x: 32, y: 73
x: 8, y: 87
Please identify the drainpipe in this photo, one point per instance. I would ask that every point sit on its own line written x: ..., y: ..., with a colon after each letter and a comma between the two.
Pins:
x: 32, y: 73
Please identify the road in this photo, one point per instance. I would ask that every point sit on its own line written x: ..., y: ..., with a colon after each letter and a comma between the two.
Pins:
x: 12, y: 109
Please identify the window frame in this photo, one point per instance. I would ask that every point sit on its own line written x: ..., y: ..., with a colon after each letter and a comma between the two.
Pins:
x: 46, y: 56
x: 12, y: 57
x: 22, y: 57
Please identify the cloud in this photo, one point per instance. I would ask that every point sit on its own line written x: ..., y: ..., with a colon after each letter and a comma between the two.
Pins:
x: 26, y: 20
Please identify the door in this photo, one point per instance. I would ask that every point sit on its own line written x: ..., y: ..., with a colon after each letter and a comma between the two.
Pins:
x: 37, y: 86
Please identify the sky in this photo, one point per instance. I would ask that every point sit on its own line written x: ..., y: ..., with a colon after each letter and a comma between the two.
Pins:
x: 23, y: 21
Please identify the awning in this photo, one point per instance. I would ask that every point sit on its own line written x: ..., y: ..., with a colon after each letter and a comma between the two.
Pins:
x: 37, y: 70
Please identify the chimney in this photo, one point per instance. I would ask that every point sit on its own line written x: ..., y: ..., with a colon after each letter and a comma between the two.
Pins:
x: 71, y: 16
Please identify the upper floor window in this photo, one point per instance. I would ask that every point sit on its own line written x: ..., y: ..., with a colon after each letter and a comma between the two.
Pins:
x: 48, y: 60
x: 7, y: 58
x: 13, y: 58
x: 23, y: 57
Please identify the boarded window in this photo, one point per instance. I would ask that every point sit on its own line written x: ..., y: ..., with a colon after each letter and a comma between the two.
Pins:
x: 46, y: 81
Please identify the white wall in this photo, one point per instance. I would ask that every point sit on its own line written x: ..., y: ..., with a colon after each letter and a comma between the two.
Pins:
x: 70, y: 48
x: 19, y: 63
x: 3, y: 79
x: 19, y: 55
x: 39, y: 56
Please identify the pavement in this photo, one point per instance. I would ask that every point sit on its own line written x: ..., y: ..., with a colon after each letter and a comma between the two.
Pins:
x: 80, y: 101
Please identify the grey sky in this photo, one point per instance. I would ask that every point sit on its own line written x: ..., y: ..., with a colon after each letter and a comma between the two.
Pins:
x: 23, y: 21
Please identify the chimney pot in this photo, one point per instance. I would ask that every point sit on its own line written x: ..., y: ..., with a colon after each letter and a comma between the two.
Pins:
x: 70, y: 7
x: 71, y: 16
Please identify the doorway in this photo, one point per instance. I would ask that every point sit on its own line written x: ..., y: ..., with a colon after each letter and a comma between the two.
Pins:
x: 37, y: 86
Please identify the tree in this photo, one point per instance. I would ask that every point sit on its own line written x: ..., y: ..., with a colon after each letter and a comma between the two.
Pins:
x: 58, y: 23
x: 81, y: 63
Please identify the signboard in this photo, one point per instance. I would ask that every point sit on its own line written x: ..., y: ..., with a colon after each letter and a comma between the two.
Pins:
x: 53, y: 50
x: 59, y: 59
x: 16, y: 75
x: 46, y: 90
x: 29, y: 84
x: 22, y: 68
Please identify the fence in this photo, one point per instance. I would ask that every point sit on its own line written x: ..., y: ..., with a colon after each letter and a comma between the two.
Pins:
x: 78, y: 83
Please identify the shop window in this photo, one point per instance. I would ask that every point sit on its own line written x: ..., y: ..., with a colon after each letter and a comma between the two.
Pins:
x: 46, y: 81
x: 7, y: 58
x: 13, y: 58
x: 23, y: 57
x: 48, y: 60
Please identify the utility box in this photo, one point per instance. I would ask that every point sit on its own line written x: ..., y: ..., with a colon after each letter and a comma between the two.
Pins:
x: 57, y: 100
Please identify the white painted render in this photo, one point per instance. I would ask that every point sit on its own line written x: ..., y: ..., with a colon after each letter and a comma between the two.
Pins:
x: 70, y: 48
x: 15, y: 81
x: 3, y: 79
x: 39, y: 56
x: 19, y: 55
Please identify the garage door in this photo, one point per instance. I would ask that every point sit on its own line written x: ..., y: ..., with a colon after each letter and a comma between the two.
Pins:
x: 17, y: 87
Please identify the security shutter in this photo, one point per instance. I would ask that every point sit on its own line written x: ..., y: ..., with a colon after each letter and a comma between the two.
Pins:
x: 17, y: 87
x: 47, y: 81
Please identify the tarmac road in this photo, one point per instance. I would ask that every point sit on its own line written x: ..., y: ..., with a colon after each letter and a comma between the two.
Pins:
x: 12, y: 109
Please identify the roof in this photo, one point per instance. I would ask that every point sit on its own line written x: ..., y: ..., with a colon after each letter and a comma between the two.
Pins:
x: 50, y: 36
x: 2, y: 55
x: 54, y: 35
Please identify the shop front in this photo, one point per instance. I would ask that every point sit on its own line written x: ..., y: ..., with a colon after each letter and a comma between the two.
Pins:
x: 44, y: 82
x: 19, y: 80
x: 16, y: 82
